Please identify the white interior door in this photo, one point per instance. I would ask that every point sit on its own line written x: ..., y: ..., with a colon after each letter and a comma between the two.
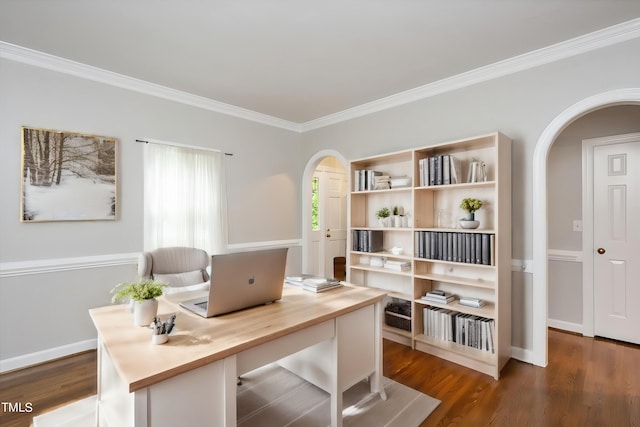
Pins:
x: 335, y: 213
x: 328, y: 236
x: 616, y: 240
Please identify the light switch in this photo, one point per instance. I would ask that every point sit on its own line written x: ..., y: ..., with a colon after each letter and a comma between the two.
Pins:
x: 577, y: 225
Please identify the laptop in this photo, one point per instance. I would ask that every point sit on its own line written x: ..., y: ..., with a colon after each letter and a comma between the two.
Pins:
x: 241, y: 280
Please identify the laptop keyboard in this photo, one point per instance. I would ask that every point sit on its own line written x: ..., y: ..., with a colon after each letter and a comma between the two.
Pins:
x: 203, y: 305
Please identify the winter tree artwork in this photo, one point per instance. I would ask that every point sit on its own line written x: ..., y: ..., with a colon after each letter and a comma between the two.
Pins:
x: 67, y: 176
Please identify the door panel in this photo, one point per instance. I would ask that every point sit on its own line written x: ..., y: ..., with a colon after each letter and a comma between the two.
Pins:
x: 616, y: 236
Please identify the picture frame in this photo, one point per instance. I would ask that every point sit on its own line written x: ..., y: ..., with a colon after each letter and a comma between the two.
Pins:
x: 67, y: 176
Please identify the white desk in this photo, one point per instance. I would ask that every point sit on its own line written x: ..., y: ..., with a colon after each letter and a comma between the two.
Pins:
x: 331, y: 339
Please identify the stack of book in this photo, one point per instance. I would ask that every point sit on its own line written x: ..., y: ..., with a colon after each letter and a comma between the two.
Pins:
x: 397, y: 265
x: 313, y: 283
x: 471, y: 302
x: 381, y: 182
x: 441, y: 297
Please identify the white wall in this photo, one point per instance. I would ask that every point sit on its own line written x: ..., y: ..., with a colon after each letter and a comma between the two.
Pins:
x: 44, y: 310
x: 520, y: 105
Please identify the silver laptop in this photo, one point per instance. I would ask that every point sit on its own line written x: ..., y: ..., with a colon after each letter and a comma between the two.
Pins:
x: 241, y: 280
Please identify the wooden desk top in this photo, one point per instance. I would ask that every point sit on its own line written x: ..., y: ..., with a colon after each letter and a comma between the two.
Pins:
x: 196, y: 341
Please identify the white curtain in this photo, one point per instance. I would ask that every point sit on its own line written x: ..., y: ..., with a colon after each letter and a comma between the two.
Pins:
x: 184, y: 198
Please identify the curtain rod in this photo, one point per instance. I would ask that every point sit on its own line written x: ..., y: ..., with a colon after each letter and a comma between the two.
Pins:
x: 175, y: 144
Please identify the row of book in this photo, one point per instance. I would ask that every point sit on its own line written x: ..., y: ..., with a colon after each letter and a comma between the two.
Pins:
x: 464, y: 329
x: 366, y: 240
x: 440, y: 170
x: 471, y: 248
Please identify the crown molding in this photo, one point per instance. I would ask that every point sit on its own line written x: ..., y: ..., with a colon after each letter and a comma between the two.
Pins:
x: 77, y: 69
x: 598, y: 39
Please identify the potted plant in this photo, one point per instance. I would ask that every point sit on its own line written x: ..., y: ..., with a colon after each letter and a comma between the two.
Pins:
x: 142, y: 295
x: 470, y: 205
x: 398, y: 214
x: 383, y: 216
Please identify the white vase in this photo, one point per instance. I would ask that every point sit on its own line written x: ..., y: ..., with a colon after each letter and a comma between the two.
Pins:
x: 144, y: 311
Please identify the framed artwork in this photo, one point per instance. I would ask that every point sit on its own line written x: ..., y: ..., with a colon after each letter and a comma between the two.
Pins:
x: 67, y: 176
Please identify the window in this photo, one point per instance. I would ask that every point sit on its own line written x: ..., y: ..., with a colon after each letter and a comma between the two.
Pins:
x: 315, y: 185
x: 184, y: 198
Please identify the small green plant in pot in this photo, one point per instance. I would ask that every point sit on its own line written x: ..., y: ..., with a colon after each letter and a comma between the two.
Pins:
x: 383, y: 216
x: 471, y: 206
x: 142, y: 295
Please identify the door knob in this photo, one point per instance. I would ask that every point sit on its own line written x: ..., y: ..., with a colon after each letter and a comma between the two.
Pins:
x: 601, y: 251
x: 328, y: 235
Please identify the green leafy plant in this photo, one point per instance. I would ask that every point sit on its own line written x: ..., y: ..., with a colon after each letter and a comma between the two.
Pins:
x: 471, y: 205
x: 383, y: 213
x: 137, y: 291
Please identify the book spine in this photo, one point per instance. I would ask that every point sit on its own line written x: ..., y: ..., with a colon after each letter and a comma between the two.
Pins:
x: 446, y: 170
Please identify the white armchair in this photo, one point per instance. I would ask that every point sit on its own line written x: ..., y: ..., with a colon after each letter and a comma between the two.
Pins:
x: 181, y: 268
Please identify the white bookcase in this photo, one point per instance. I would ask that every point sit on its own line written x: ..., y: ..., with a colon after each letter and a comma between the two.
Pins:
x: 431, y: 219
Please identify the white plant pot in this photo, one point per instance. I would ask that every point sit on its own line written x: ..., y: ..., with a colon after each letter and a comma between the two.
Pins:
x: 144, y: 311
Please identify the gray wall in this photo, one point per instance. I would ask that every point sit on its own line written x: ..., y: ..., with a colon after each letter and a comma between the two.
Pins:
x: 520, y: 105
x: 263, y: 178
x: 565, y: 206
x: 264, y: 173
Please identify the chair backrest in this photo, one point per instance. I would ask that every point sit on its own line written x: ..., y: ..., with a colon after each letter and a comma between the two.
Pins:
x: 175, y: 266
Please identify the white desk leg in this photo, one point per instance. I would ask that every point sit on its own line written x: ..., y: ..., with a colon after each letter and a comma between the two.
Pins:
x: 336, y: 386
x: 230, y: 391
x: 376, y: 384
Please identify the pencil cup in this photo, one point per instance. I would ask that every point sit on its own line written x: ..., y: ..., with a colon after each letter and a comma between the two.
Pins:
x: 159, y: 339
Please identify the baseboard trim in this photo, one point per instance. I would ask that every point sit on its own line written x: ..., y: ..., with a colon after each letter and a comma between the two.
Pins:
x: 566, y: 326
x: 523, y: 355
x: 31, y: 359
x: 38, y: 357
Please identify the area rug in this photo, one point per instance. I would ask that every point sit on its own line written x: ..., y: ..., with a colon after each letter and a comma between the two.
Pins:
x: 274, y: 397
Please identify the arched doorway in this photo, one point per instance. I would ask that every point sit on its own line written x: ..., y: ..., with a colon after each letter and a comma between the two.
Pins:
x: 321, y: 241
x: 540, y: 222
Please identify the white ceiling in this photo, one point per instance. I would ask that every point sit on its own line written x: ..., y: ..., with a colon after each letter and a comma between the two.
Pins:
x: 299, y: 60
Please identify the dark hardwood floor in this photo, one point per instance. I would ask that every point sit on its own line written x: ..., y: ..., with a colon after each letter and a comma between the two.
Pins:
x: 588, y: 382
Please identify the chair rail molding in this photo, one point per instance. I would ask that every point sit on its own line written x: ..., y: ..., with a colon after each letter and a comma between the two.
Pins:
x: 22, y: 268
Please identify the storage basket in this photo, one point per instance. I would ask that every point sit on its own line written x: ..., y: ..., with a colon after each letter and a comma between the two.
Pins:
x: 398, y: 315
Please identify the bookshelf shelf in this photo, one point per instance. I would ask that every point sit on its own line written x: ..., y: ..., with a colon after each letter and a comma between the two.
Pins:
x: 389, y: 190
x: 486, y: 311
x: 457, y: 349
x: 477, y: 283
x: 365, y: 267
x: 398, y: 331
x: 432, y: 205
x: 448, y: 187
